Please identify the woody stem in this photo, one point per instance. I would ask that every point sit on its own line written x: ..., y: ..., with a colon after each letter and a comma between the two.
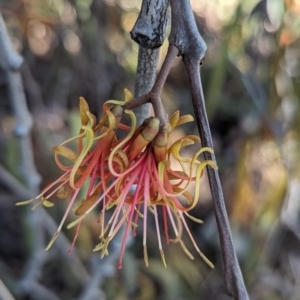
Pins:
x: 154, y: 95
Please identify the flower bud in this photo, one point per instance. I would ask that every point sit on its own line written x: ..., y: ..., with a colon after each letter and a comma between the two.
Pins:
x: 160, y: 143
x: 151, y: 128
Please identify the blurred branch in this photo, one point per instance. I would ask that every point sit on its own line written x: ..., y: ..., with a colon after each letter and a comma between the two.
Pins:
x: 10, y: 182
x: 38, y: 291
x: 4, y: 292
x: 290, y: 212
x: 63, y: 245
x: 259, y: 99
x: 28, y: 283
x: 9, y: 58
x: 104, y: 267
x: 39, y: 220
x: 11, y: 62
x: 32, y: 88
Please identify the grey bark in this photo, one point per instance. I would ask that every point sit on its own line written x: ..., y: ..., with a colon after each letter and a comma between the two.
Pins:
x: 233, y: 276
x: 186, y: 37
x: 149, y: 32
x: 184, y: 32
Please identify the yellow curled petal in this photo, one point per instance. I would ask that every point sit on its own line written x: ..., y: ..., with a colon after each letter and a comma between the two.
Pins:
x: 87, y: 146
x: 92, y: 119
x: 128, y: 95
x: 196, y: 220
x: 83, y: 108
x: 47, y: 203
x: 184, y: 119
x: 200, y: 151
x: 114, y: 102
x: 184, y: 193
x: 123, y: 142
x: 176, y: 147
x: 120, y: 163
x: 199, y: 170
x: 65, y: 152
x: 123, y: 157
x: 174, y: 119
x: 112, y: 124
x: 177, y: 175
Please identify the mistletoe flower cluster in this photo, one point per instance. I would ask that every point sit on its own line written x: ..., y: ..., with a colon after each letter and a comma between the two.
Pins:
x: 132, y: 176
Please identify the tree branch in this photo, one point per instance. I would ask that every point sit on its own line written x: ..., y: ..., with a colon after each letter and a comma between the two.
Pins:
x: 185, y: 36
x: 233, y: 276
x: 144, y: 79
x: 149, y: 32
x: 9, y: 58
x: 153, y: 96
x: 184, y: 32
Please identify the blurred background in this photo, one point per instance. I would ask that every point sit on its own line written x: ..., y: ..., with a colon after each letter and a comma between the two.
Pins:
x: 251, y: 79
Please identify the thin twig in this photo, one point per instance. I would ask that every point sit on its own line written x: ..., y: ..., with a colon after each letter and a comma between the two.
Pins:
x: 185, y: 36
x: 4, y: 292
x: 14, y: 186
x: 153, y: 96
x: 63, y: 245
x: 233, y: 276
x: 9, y: 58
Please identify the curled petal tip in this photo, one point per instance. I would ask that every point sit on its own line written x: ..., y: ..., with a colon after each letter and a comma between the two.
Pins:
x: 163, y: 257
x: 52, y: 241
x: 128, y: 95
x: 83, y: 108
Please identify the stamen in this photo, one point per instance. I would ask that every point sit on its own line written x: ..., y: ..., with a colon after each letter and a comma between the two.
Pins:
x: 145, y: 252
x: 63, y: 219
x: 193, y: 218
x: 135, y: 199
x: 72, y: 224
x: 172, y: 221
x: 47, y: 188
x: 54, y: 191
x: 158, y: 237
x: 194, y: 243
x: 165, y: 224
x: 146, y: 203
x: 122, y: 199
x: 75, y: 238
